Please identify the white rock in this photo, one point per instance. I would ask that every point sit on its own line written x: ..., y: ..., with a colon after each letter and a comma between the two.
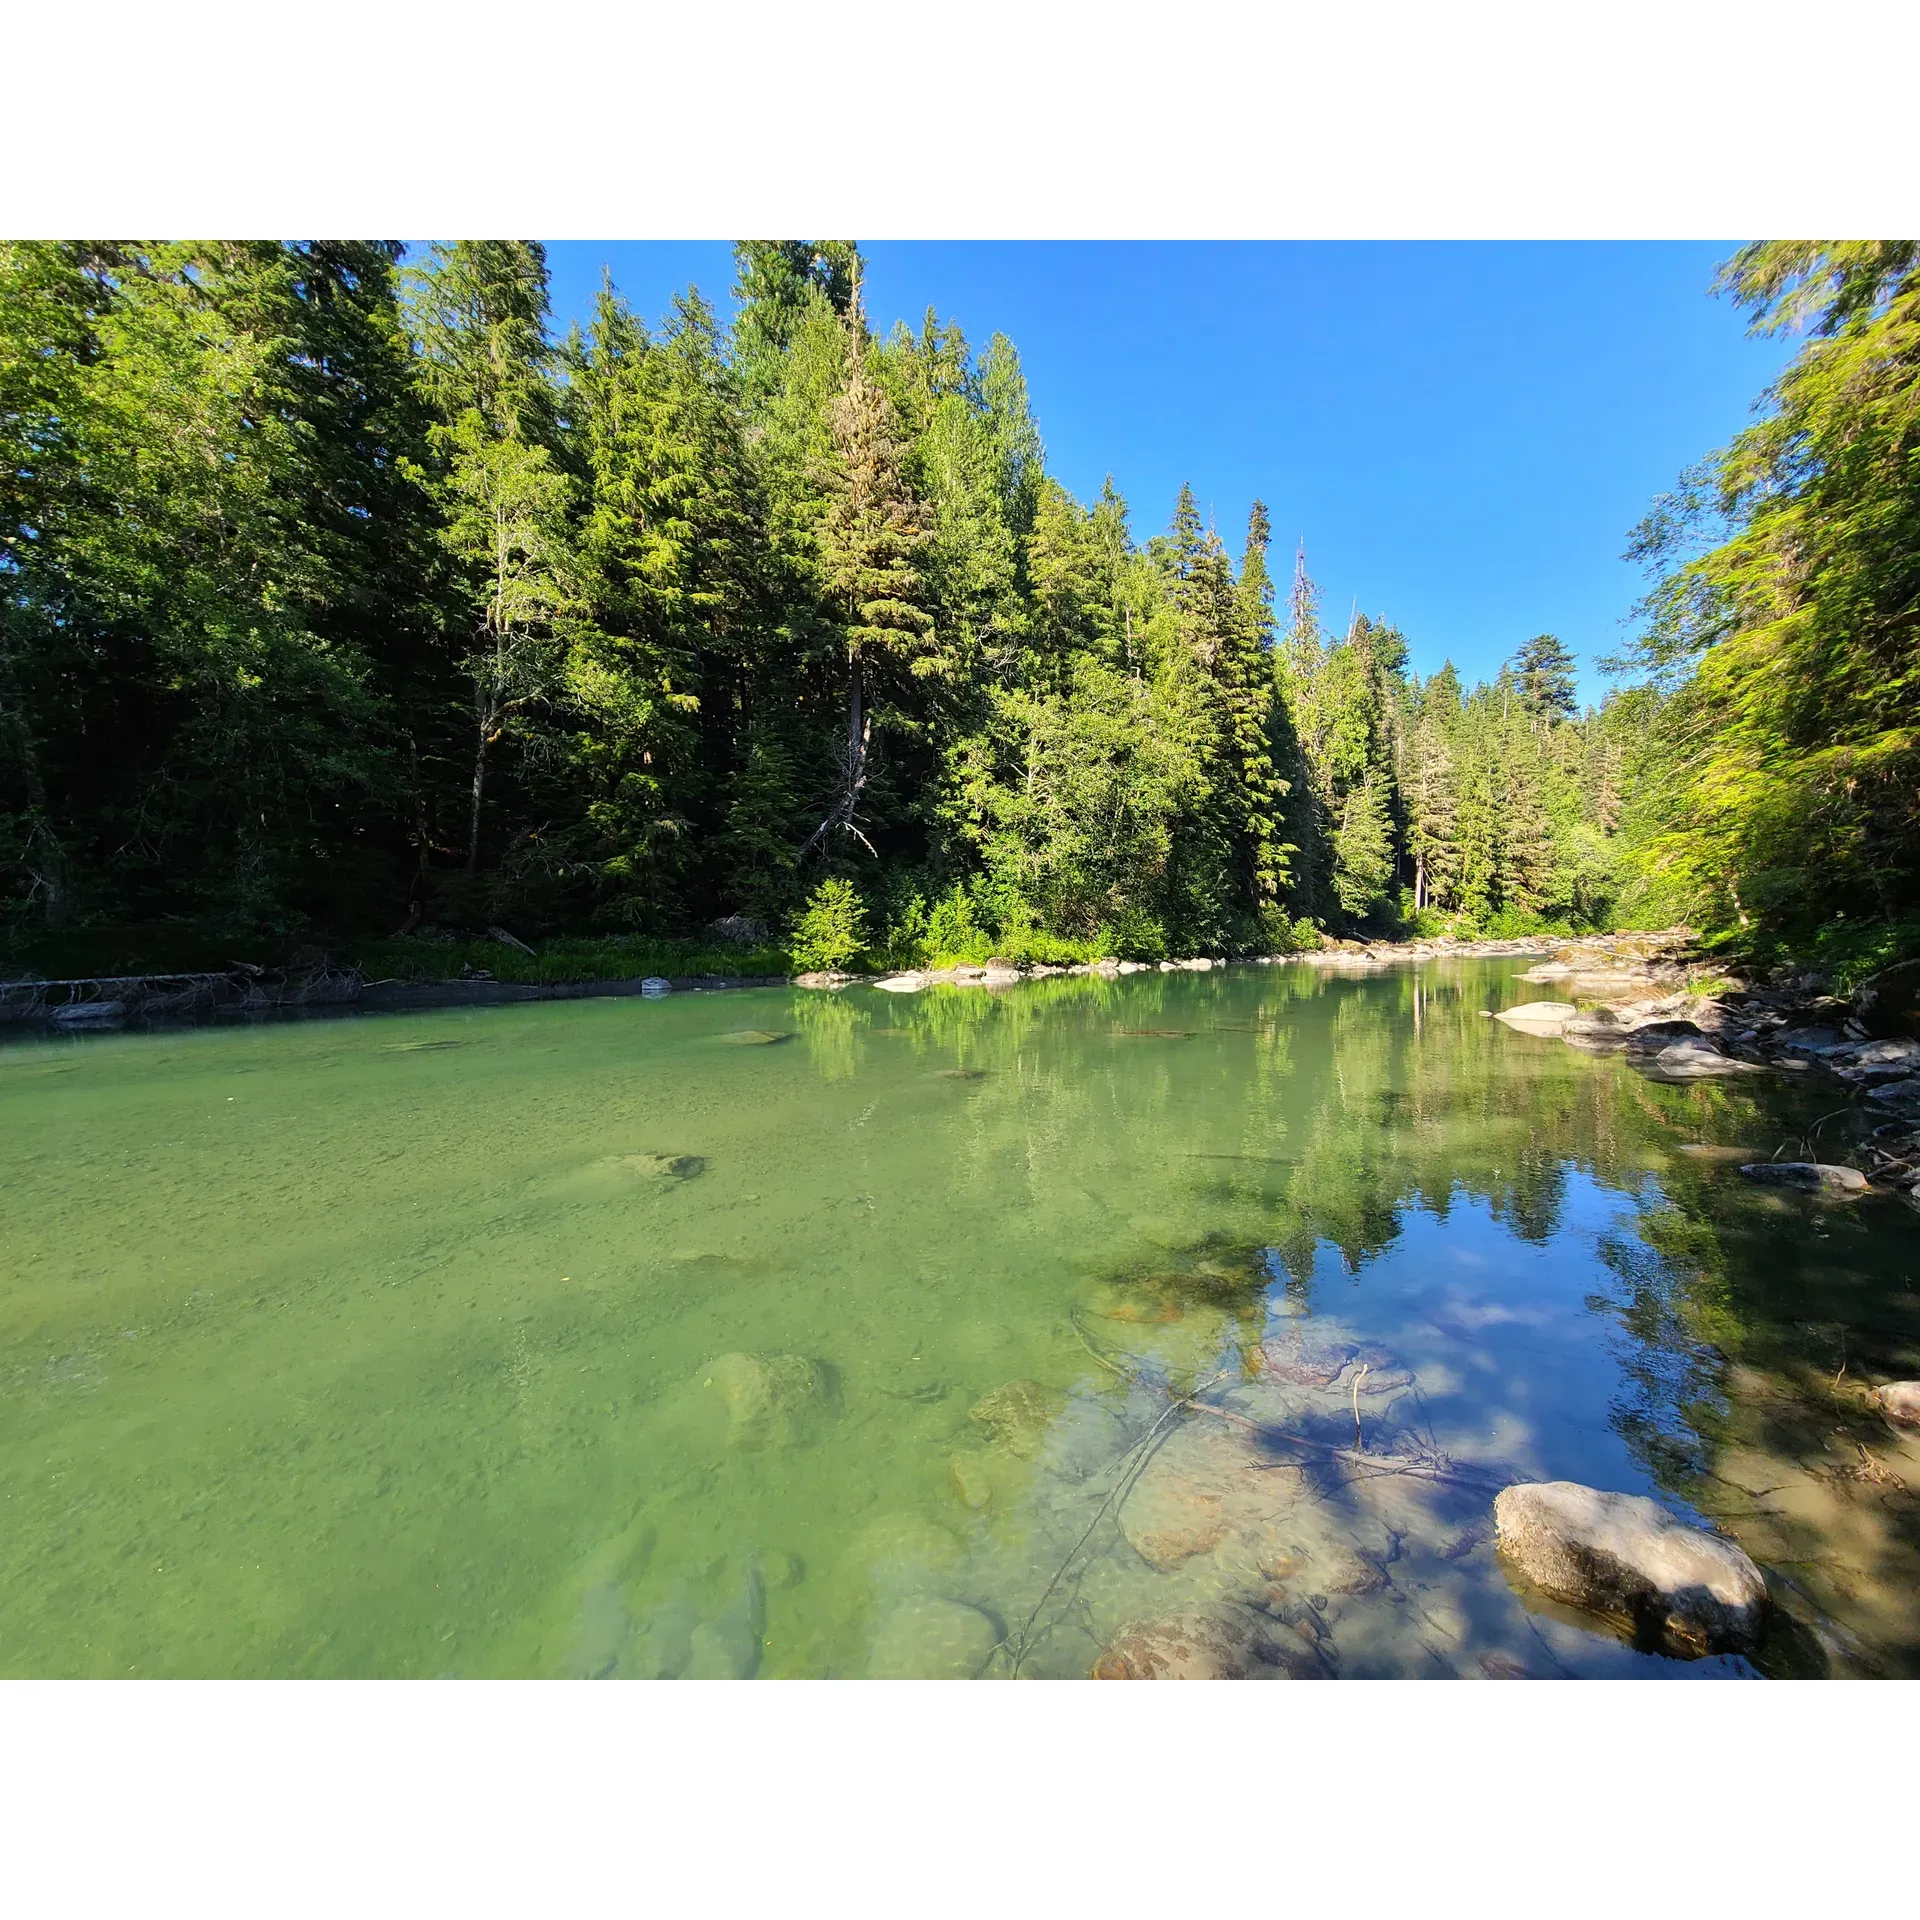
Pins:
x: 905, y: 983
x: 1131, y: 966
x: 1539, y: 1016
x: 1688, y: 1590
x: 653, y: 986
x: 1900, y: 1400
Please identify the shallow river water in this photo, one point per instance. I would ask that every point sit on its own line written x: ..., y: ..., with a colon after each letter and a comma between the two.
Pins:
x: 784, y: 1333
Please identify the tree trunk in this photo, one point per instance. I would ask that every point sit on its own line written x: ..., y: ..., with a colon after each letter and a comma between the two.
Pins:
x: 484, y: 716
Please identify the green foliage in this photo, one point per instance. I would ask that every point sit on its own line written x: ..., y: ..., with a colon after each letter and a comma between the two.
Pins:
x: 831, y: 930
x: 617, y: 957
x: 335, y: 597
x: 1781, y: 620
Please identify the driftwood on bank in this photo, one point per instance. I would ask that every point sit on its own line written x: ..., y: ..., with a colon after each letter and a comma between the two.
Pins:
x: 109, y: 999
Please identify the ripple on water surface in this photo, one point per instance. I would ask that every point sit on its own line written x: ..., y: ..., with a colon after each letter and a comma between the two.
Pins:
x: 780, y: 1333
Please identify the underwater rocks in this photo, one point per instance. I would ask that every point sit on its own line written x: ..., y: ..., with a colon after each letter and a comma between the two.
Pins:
x: 1622, y: 1556
x: 1207, y: 1484
x: 1019, y: 1414
x: 930, y: 1638
x: 1900, y: 1400
x: 1809, y: 1175
x: 772, y: 1400
x: 1302, y: 1359
x: 665, y: 1166
x: 1212, y: 1643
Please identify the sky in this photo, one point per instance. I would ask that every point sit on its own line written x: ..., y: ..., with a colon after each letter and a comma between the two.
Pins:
x: 1463, y: 435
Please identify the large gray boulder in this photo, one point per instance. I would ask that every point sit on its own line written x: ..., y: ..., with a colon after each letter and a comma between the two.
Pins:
x: 1888, y: 1004
x: 1539, y: 1016
x: 1686, y: 1590
x: 1695, y: 1060
x: 1811, y: 1176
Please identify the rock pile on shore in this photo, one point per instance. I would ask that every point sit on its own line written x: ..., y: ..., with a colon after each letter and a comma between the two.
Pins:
x: 1677, y: 1022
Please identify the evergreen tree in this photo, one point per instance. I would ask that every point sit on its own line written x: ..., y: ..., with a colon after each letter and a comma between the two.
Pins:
x: 1544, y: 673
x: 872, y: 536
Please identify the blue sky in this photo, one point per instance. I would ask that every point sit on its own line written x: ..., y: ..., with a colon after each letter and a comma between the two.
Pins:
x: 1464, y: 434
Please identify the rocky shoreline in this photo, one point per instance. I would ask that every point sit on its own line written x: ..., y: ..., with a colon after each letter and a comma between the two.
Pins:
x: 1677, y: 1022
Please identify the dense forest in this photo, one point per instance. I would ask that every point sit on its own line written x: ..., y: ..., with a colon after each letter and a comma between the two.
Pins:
x: 340, y: 599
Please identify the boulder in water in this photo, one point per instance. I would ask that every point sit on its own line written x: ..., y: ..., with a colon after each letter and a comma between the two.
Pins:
x: 665, y: 1166
x: 1809, y: 1175
x: 912, y: 982
x: 928, y: 1637
x: 1207, y: 1484
x: 1303, y: 1359
x: 1213, y: 1643
x: 772, y: 1399
x: 1626, y: 1558
x: 1651, y: 1036
x: 1539, y: 1016
x: 1697, y: 1060
x: 1019, y: 1414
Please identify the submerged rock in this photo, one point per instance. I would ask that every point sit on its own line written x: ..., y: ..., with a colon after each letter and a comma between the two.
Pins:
x: 968, y: 1477
x: 1626, y: 1558
x: 754, y: 1037
x: 728, y: 1648
x: 1304, y: 1359
x: 1900, y: 1400
x: 665, y: 1166
x: 931, y: 1638
x: 1810, y: 1175
x: 772, y: 1400
x: 1207, y: 1484
x: 601, y: 1632
x: 1019, y: 1414
x: 1214, y: 1643
x: 906, y: 1553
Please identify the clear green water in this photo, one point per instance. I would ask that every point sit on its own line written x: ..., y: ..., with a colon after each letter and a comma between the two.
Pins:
x: 398, y: 1346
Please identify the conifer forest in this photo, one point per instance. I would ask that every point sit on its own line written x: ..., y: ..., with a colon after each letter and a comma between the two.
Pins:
x: 342, y: 599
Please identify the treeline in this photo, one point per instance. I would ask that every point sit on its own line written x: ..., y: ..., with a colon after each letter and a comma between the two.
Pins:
x: 339, y: 596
